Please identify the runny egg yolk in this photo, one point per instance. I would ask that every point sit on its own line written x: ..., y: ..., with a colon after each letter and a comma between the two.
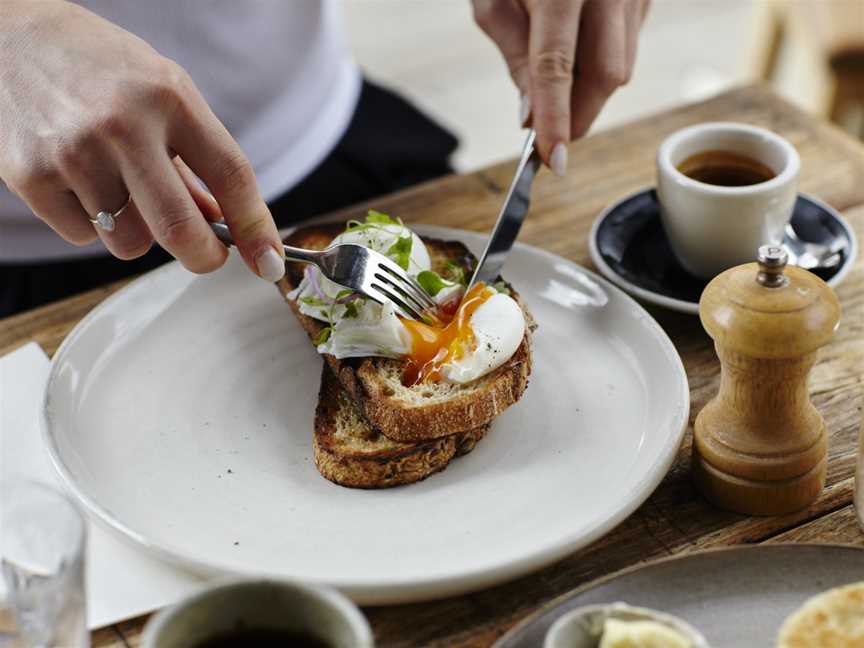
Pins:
x: 433, y: 346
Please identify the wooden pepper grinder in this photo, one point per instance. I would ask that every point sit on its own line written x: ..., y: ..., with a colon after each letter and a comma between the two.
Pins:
x: 760, y: 446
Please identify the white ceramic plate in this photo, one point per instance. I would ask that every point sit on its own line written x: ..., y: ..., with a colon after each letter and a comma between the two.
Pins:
x: 180, y: 410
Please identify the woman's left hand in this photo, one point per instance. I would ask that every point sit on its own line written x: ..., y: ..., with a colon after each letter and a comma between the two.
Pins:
x: 566, y: 57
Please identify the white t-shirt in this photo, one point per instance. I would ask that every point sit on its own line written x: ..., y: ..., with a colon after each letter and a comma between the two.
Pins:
x: 277, y: 73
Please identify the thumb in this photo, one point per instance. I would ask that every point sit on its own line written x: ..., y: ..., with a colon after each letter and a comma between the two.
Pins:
x: 203, y: 198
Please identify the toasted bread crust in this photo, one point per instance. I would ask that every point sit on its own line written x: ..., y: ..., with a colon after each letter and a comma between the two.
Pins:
x: 364, y: 378
x: 831, y: 619
x: 502, y: 388
x: 368, y: 459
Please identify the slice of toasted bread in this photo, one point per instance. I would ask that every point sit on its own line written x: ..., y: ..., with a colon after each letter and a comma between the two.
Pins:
x: 425, y: 411
x: 352, y: 453
x: 834, y: 618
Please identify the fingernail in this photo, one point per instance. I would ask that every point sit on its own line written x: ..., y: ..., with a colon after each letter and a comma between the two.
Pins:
x: 271, y: 266
x: 558, y: 159
x: 524, y: 109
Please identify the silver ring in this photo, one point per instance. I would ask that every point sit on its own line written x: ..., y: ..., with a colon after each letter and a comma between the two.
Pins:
x: 107, y: 220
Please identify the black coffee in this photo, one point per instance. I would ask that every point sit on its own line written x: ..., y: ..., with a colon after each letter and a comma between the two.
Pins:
x: 244, y: 638
x: 726, y: 169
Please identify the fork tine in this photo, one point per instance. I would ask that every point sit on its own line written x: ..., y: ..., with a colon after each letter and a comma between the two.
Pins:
x: 406, y: 309
x: 373, y: 292
x: 409, y: 285
x: 402, y: 292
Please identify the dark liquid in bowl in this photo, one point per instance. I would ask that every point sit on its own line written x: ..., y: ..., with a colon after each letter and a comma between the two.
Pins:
x: 247, y: 638
x: 725, y: 169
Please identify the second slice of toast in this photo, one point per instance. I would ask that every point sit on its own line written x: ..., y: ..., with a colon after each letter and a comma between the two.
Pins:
x: 428, y: 410
x: 350, y: 452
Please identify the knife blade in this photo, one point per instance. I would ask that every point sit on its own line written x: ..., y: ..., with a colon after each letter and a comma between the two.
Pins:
x: 511, y: 217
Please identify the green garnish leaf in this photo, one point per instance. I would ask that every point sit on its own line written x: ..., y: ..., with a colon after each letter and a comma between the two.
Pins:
x: 313, y: 301
x: 501, y: 287
x: 324, y: 335
x: 373, y: 216
x: 455, y: 272
x: 431, y: 282
x: 400, y: 251
x: 374, y: 220
x: 343, y: 293
x: 350, y: 310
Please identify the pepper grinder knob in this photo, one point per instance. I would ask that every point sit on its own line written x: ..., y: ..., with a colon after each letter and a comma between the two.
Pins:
x: 772, y: 261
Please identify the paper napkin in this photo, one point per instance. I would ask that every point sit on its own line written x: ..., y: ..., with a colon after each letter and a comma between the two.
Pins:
x: 122, y: 581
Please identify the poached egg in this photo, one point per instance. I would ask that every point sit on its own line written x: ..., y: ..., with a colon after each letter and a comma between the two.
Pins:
x: 477, y: 333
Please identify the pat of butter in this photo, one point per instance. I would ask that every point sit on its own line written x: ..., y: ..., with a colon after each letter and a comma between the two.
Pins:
x: 640, y: 634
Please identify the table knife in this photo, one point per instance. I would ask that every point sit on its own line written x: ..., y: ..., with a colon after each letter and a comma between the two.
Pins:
x: 510, y: 219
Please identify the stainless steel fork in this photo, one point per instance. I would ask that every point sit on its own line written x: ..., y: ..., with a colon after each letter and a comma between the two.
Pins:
x: 362, y: 270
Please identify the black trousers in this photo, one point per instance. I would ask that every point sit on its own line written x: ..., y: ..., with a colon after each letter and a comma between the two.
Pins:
x: 389, y: 145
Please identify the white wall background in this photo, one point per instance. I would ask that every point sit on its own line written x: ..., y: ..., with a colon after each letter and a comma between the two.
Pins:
x: 431, y: 51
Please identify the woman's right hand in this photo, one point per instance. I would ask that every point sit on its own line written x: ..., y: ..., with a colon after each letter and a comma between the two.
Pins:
x: 91, y: 115
x: 566, y: 57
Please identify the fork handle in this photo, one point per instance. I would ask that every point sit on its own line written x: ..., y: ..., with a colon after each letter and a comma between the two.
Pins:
x: 291, y: 253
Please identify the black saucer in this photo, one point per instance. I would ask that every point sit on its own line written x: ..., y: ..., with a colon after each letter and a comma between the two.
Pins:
x: 630, y: 248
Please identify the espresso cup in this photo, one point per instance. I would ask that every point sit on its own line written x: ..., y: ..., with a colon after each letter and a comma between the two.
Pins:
x: 310, y: 615
x: 712, y: 227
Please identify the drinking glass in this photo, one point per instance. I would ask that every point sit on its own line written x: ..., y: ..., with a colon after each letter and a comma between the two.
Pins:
x: 42, y: 541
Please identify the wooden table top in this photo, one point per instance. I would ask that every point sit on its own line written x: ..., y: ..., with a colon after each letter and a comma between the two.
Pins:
x: 675, y: 519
